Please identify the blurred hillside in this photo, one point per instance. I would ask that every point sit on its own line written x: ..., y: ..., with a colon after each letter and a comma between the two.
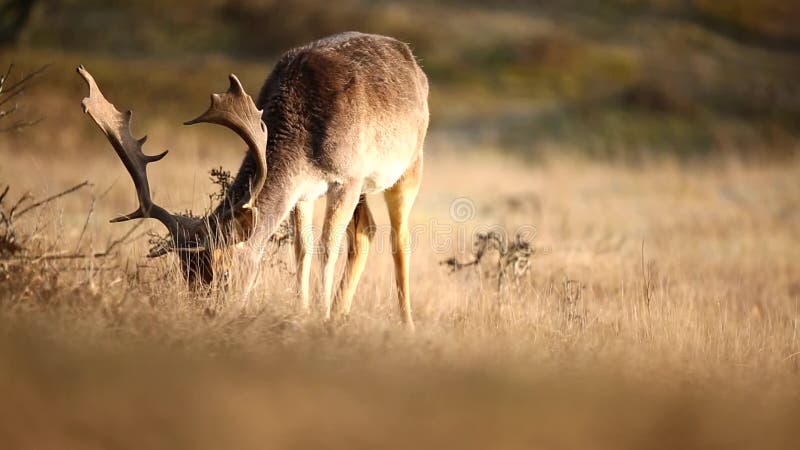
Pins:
x: 616, y: 78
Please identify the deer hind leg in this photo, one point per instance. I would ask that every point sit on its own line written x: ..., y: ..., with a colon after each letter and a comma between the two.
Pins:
x: 341, y: 203
x: 399, y: 199
x: 303, y: 247
x: 360, y: 233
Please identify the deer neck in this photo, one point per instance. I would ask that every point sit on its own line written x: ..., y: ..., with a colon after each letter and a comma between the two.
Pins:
x: 269, y: 209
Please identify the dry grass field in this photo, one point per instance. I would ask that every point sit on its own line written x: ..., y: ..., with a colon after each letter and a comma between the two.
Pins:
x: 661, y: 310
x: 647, y: 153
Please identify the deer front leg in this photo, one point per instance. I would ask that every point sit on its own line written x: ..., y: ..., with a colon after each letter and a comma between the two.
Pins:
x: 303, y: 247
x: 272, y: 209
x: 341, y: 203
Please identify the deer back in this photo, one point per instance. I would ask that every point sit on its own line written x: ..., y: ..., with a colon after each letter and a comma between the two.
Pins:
x: 347, y: 106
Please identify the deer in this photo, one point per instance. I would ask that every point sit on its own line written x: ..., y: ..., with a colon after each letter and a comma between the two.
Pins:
x: 341, y: 117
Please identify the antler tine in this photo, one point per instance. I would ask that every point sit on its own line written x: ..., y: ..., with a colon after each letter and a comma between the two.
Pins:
x: 117, y: 128
x: 236, y: 110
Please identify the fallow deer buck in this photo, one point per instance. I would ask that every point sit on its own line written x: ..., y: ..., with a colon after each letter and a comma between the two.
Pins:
x: 347, y: 116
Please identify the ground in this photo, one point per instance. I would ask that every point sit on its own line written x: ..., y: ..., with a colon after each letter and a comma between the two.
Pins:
x: 644, y: 151
x: 660, y: 309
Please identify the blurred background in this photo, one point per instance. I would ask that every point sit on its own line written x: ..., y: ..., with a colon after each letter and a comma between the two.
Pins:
x: 618, y: 79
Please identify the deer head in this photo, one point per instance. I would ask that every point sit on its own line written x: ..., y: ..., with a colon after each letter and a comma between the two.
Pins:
x: 193, y: 239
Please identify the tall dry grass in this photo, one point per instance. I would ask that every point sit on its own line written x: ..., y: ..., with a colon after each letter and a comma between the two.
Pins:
x: 661, y: 310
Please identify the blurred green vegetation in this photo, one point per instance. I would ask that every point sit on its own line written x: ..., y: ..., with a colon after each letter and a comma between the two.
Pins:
x: 612, y: 79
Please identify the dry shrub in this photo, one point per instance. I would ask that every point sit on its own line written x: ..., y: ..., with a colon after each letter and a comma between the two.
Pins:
x: 511, y: 262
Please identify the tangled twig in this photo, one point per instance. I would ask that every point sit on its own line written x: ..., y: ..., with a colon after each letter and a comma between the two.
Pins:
x: 513, y: 259
x: 223, y: 179
x: 13, y: 246
x: 10, y: 241
x: 10, y: 91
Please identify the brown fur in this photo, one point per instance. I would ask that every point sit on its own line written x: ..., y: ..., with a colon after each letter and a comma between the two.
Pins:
x: 346, y: 115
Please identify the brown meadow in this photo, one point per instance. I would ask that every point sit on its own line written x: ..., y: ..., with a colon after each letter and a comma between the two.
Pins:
x: 645, y: 150
x: 660, y: 310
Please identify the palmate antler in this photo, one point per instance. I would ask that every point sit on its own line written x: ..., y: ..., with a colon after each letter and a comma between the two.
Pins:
x: 233, y: 109
x: 236, y: 110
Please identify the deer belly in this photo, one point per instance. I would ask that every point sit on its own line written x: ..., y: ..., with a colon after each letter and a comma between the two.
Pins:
x: 383, y: 179
x: 314, y: 190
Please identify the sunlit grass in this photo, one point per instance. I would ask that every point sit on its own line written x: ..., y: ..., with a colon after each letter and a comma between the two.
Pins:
x: 665, y: 293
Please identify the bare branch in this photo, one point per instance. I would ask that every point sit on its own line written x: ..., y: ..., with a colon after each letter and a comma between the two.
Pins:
x: 109, y: 250
x: 10, y: 242
x: 8, y: 93
x: 21, y: 84
x: 5, y: 77
x: 53, y: 197
x: 85, y: 225
x: 7, y: 112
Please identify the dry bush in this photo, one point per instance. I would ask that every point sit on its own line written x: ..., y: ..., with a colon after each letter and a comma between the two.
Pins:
x: 512, y: 259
